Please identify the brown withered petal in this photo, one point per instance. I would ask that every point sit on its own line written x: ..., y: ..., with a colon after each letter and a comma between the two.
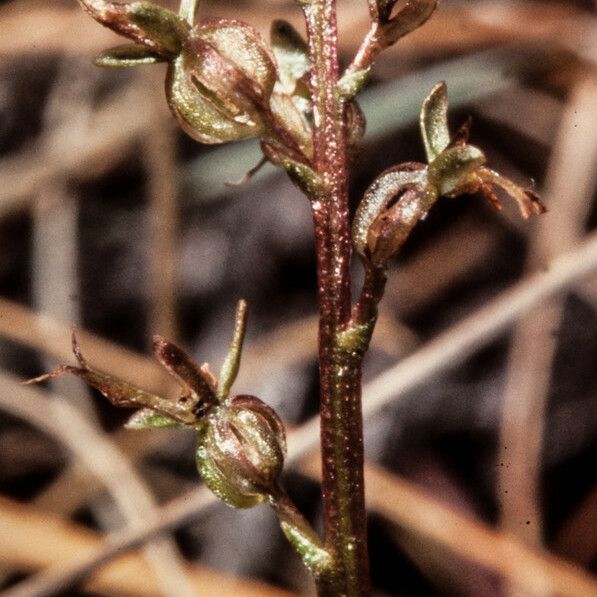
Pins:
x: 488, y: 192
x: 528, y: 201
x: 198, y: 387
x: 411, y: 16
x: 461, y: 136
x: 380, y: 10
x: 119, y: 392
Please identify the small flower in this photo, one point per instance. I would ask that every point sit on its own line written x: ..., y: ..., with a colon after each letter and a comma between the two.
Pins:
x: 456, y: 167
x: 241, y: 442
x: 403, y: 195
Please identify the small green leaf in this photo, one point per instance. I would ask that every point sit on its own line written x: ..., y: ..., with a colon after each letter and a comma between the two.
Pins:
x: 146, y: 418
x: 434, y: 121
x: 291, y: 53
x: 160, y: 25
x: 451, y: 168
x: 128, y: 55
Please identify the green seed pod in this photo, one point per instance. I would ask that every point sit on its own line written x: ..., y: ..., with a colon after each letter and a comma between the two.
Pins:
x: 240, y: 452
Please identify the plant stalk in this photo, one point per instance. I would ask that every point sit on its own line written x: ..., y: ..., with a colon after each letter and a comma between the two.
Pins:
x: 340, y: 369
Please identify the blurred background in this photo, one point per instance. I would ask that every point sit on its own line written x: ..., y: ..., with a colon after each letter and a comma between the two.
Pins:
x: 481, y: 385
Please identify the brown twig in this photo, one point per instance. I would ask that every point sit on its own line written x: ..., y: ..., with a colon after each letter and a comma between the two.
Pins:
x: 58, y: 418
x: 569, y: 190
x: 31, y: 539
x: 160, y: 162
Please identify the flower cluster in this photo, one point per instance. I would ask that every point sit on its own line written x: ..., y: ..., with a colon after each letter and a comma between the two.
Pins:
x: 223, y: 82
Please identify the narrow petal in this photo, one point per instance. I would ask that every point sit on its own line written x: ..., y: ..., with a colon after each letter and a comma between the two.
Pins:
x: 434, y: 121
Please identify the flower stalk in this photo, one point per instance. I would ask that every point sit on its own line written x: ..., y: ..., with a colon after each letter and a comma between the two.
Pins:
x: 339, y: 369
x: 223, y: 84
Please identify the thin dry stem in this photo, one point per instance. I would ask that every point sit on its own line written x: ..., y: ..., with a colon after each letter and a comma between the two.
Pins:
x: 569, y: 190
x: 32, y: 540
x: 96, y: 451
x: 160, y: 163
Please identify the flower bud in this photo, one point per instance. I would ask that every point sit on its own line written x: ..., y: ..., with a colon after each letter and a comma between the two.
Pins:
x: 241, y: 450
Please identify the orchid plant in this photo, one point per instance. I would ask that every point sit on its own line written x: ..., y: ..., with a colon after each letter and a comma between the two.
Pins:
x: 225, y: 83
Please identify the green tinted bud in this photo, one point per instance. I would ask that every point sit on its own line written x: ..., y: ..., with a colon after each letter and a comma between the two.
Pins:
x: 241, y: 450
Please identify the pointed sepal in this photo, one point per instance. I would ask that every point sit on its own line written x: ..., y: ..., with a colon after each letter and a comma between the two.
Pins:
x: 128, y: 55
x: 145, y: 23
x: 434, y: 121
x: 393, y: 26
x: 198, y: 386
x: 119, y: 392
x: 231, y: 364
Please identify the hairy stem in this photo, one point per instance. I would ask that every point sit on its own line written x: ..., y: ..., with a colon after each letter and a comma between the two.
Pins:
x: 340, y: 369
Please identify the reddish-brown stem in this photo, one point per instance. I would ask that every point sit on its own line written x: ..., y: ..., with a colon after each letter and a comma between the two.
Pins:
x: 365, y: 311
x: 340, y: 370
